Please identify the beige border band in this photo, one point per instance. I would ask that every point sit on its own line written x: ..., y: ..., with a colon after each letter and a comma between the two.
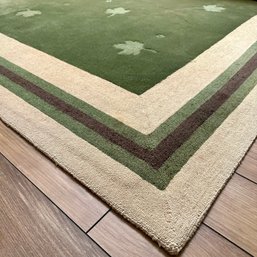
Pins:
x: 170, y: 216
x: 147, y: 111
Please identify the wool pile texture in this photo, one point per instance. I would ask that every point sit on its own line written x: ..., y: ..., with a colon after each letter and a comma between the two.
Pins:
x: 159, y: 158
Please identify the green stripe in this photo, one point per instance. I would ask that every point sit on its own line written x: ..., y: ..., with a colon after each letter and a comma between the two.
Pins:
x: 182, y: 155
x: 162, y: 177
x: 191, y: 106
x: 147, y: 141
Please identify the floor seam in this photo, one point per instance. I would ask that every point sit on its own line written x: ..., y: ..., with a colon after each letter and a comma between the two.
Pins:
x: 238, y: 246
x: 97, y: 222
x: 99, y: 245
x: 70, y: 219
x: 239, y: 174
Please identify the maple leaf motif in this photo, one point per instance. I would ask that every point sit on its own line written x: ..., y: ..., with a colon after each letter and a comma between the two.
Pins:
x: 28, y: 13
x: 213, y: 8
x: 132, y: 48
x: 115, y: 11
x: 160, y: 36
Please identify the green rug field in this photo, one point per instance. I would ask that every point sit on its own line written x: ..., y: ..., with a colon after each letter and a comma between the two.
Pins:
x: 134, y: 44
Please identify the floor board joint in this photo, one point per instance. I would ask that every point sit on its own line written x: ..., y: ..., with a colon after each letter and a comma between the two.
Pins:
x: 98, y: 221
x: 50, y: 198
x: 238, y: 246
x: 246, y: 177
x: 99, y: 246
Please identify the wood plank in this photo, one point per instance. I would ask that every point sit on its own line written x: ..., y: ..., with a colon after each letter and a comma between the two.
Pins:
x: 32, y: 226
x: 234, y: 214
x: 248, y: 167
x: 119, y: 238
x: 253, y: 150
x: 207, y: 243
x: 83, y: 207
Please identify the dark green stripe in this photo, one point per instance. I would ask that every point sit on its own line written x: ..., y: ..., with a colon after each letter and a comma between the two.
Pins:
x: 154, y: 138
x: 161, y: 178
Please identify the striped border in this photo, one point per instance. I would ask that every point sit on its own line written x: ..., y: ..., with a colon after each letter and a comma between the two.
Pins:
x: 151, y: 164
x: 146, y: 112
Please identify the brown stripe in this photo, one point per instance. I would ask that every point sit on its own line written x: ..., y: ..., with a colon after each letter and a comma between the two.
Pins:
x: 76, y: 114
x: 184, y: 131
x: 167, y: 146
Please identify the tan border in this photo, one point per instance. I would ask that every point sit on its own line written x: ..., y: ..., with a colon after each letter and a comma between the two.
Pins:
x: 170, y: 216
x: 147, y: 111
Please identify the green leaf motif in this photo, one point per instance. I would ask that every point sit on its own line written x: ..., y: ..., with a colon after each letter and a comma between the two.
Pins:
x: 213, y: 8
x: 160, y: 36
x: 132, y: 48
x: 115, y: 11
x: 28, y: 13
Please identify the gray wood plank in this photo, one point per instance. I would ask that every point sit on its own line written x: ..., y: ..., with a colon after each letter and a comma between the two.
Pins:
x: 248, y: 167
x: 31, y: 225
x: 234, y: 214
x: 82, y: 206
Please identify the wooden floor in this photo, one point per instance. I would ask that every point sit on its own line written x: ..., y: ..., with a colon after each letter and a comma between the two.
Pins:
x: 44, y: 212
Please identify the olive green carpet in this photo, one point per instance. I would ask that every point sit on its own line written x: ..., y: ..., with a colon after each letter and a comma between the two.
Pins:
x: 134, y: 44
x: 96, y: 86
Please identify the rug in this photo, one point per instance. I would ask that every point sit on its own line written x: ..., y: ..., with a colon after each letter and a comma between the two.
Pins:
x: 160, y: 157
x: 114, y: 39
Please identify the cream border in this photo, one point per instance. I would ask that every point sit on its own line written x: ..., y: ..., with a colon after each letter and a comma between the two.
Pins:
x: 147, y: 111
x: 170, y: 216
